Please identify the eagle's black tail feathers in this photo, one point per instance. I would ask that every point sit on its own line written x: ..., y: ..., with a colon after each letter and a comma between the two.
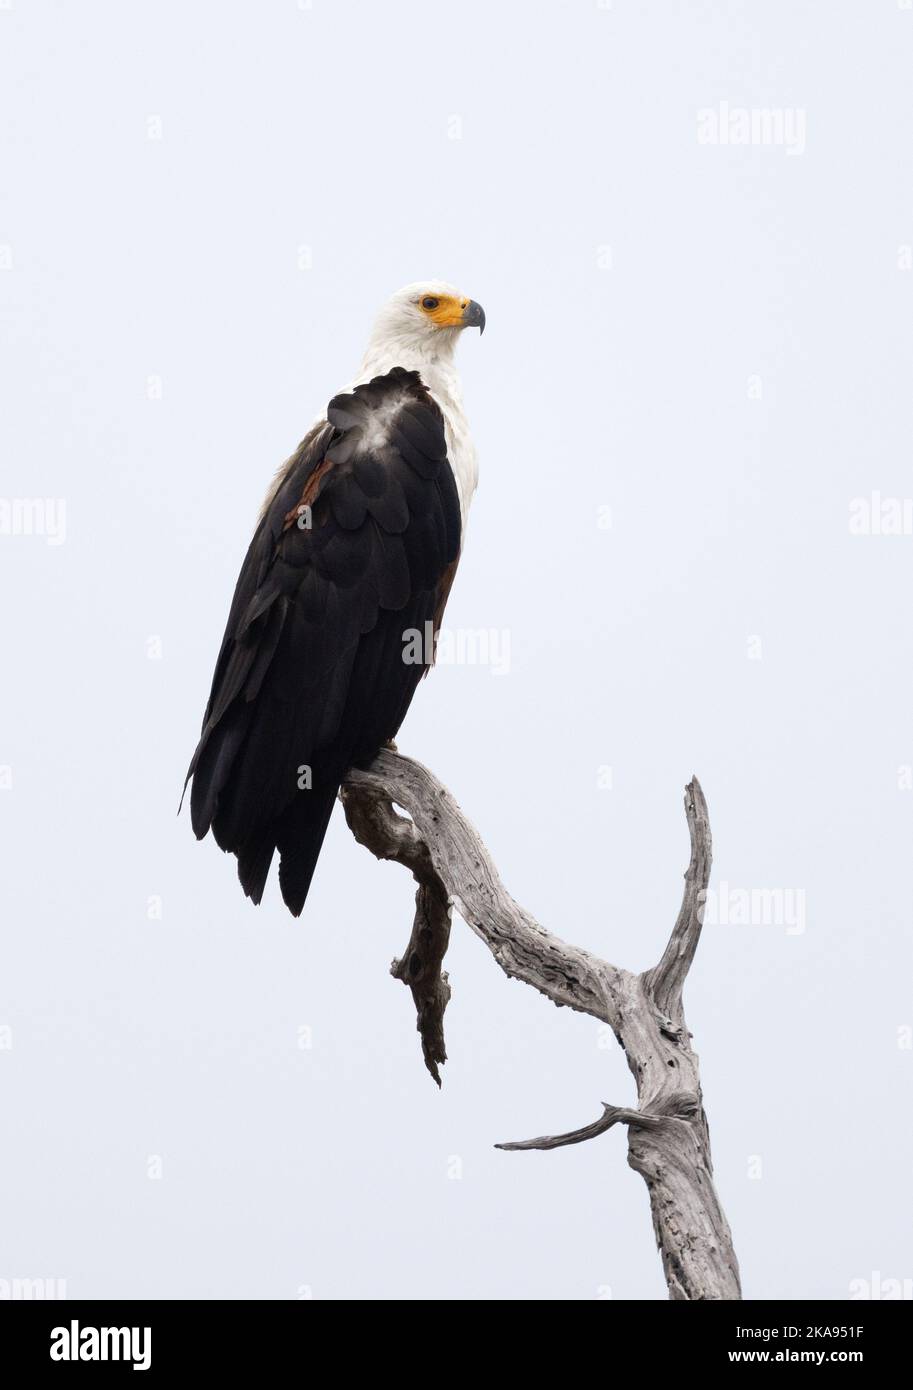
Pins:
x: 254, y: 859
x: 300, y: 834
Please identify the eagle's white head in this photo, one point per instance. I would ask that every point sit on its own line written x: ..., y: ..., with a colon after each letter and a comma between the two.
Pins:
x: 424, y: 320
x: 418, y: 328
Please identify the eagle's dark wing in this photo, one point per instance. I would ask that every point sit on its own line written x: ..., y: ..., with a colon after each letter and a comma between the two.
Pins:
x: 356, y: 549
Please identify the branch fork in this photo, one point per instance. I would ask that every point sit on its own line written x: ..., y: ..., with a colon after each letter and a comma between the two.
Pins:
x: 668, y: 1137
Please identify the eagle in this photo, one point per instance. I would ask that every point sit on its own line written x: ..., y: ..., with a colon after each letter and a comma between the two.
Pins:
x: 354, y: 554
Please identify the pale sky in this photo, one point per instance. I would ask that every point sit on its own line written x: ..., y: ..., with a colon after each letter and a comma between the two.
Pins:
x: 697, y: 362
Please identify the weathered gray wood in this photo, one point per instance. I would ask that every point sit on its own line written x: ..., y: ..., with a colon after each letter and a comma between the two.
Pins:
x: 374, y: 822
x: 668, y: 1138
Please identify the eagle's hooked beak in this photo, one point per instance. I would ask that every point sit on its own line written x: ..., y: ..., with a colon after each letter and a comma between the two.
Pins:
x: 473, y: 317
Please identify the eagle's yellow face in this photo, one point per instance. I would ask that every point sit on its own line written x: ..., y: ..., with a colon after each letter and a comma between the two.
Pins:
x: 443, y: 307
x: 444, y: 310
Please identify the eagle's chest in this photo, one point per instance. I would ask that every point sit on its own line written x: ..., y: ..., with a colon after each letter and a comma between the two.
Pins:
x: 460, y: 449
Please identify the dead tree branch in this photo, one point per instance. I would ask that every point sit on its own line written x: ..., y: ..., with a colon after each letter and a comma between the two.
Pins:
x: 668, y: 1138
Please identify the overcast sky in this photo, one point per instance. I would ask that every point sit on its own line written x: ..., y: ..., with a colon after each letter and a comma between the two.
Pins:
x: 690, y: 227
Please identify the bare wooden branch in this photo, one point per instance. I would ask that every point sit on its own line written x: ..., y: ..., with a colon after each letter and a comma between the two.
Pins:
x: 674, y: 1107
x: 668, y: 1138
x: 611, y: 1115
x: 375, y: 824
x: 458, y: 859
x: 666, y: 980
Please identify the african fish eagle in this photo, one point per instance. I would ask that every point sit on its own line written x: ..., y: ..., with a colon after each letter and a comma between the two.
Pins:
x: 356, y: 546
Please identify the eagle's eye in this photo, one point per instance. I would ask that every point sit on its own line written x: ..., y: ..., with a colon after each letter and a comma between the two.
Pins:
x: 429, y: 302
